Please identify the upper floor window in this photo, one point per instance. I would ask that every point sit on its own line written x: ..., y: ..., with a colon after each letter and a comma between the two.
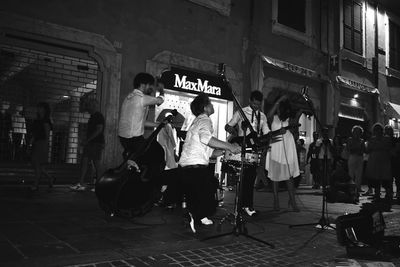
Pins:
x: 292, y: 14
x: 394, y: 46
x: 293, y: 19
x: 353, y: 25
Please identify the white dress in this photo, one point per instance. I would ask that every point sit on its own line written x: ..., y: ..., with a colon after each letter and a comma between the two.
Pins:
x: 281, y: 161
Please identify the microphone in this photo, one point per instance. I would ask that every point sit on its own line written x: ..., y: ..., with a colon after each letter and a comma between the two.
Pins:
x: 221, y: 68
x: 304, y: 93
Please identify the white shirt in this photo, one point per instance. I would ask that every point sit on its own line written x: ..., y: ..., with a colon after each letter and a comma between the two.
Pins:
x: 18, y: 123
x: 195, y: 150
x: 133, y: 115
x: 319, y: 143
x: 253, y: 118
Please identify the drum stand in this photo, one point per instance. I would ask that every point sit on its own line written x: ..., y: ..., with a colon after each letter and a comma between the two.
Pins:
x: 236, y: 218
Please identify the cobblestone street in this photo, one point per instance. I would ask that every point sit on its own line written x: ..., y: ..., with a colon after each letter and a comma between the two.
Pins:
x: 64, y: 228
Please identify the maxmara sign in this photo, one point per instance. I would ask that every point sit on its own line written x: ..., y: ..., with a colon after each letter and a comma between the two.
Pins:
x: 198, y: 86
x: 195, y: 82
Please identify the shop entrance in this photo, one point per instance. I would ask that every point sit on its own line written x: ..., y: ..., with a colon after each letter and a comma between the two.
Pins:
x: 344, y: 126
x: 223, y: 110
x: 64, y: 78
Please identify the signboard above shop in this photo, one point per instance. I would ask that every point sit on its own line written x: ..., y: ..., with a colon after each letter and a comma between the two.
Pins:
x: 195, y: 82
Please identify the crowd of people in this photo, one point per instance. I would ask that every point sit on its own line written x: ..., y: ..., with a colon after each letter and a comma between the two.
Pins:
x: 364, y: 157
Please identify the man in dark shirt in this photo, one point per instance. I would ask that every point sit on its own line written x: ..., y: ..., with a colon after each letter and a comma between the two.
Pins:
x: 312, y: 158
x: 94, y: 144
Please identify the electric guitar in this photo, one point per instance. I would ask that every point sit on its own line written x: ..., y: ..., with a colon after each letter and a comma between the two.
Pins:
x: 265, y: 140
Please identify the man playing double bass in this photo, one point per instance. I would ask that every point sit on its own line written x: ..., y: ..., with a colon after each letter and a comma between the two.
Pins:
x: 134, y: 112
x: 258, y: 121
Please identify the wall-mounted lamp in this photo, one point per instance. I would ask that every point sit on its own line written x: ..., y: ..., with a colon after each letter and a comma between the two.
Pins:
x: 355, y: 96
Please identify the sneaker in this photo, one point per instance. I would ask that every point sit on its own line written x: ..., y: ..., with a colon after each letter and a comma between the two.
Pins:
x: 75, y: 187
x: 81, y: 188
x: 206, y: 221
x: 249, y: 211
x: 78, y: 187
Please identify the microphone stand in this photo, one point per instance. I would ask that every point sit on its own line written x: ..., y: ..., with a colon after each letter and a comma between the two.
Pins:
x: 323, y: 221
x: 239, y: 223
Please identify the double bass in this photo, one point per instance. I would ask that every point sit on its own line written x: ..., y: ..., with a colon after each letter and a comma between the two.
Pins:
x: 130, y: 191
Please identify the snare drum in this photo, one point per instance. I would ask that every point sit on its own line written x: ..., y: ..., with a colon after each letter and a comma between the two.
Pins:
x: 236, y: 159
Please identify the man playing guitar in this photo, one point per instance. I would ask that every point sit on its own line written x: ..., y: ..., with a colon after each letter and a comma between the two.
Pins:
x: 258, y: 121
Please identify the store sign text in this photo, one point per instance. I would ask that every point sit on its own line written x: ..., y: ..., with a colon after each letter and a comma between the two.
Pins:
x: 297, y: 69
x: 198, y: 86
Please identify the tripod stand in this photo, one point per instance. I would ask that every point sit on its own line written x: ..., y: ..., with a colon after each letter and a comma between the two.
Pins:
x: 239, y: 223
x: 323, y: 222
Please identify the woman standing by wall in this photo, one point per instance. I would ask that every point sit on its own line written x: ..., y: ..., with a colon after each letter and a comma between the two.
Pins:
x: 40, y: 143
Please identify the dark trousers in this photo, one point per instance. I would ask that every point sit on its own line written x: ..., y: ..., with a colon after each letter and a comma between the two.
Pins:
x: 199, y: 192
x: 173, y: 179
x: 315, y: 171
x: 387, y: 184
x: 249, y: 176
x: 131, y: 145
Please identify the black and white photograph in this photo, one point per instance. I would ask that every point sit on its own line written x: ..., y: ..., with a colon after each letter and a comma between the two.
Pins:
x: 200, y: 133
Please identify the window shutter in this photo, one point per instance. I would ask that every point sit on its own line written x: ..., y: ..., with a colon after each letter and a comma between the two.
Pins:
x: 357, y: 42
x: 352, y: 24
x: 357, y: 17
x: 347, y: 13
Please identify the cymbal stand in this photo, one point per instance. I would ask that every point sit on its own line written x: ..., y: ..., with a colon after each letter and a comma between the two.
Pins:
x: 236, y: 218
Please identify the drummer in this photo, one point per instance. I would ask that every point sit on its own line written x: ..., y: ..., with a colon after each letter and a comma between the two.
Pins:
x: 258, y: 121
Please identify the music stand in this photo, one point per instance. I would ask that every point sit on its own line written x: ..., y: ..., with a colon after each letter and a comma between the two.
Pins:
x: 323, y: 221
x: 239, y: 223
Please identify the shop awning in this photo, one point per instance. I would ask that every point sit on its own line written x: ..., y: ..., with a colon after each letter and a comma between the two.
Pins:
x: 257, y: 74
x: 393, y: 110
x: 355, y: 85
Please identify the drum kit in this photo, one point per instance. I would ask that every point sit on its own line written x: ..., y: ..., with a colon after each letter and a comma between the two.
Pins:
x: 231, y: 163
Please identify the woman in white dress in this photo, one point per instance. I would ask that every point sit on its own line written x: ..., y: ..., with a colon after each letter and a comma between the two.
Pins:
x: 281, y: 161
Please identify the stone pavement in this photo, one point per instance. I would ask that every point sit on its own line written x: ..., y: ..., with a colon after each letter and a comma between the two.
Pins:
x: 63, y: 228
